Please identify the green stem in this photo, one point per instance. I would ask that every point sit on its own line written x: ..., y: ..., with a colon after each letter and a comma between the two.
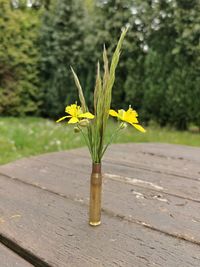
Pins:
x: 86, y: 140
x: 112, y: 138
x: 89, y: 132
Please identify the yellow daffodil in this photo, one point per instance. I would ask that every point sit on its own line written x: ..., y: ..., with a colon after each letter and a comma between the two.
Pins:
x: 129, y: 116
x: 76, y: 114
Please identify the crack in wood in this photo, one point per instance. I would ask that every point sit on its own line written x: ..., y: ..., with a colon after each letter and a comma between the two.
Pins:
x: 140, y: 167
x: 122, y: 179
x: 132, y: 181
x: 22, y: 252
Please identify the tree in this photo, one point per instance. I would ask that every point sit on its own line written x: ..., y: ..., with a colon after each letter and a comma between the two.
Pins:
x: 116, y: 14
x: 61, y: 42
x: 19, y: 91
x: 172, y: 62
x: 186, y: 85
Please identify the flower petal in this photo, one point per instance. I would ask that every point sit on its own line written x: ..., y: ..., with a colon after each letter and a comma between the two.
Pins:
x: 122, y: 115
x: 61, y: 119
x: 139, y: 128
x: 132, y: 112
x: 113, y: 113
x: 73, y: 110
x: 87, y: 115
x: 131, y: 119
x: 73, y: 120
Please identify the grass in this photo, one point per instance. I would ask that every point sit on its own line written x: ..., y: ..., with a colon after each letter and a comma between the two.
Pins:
x: 22, y: 137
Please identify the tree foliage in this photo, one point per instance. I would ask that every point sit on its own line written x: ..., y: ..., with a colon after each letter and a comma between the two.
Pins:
x: 19, y: 88
x: 172, y: 62
x: 159, y: 68
x: 61, y: 41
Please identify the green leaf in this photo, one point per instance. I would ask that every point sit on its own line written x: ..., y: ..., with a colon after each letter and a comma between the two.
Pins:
x: 80, y: 91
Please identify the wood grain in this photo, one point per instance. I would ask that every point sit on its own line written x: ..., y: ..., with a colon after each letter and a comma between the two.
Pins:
x: 162, y: 202
x: 151, y: 198
x: 56, y: 230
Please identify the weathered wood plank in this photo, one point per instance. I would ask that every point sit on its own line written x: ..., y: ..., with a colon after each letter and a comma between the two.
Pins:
x: 10, y: 259
x: 169, y: 151
x: 182, y: 161
x: 166, y: 183
x: 141, y: 200
x: 173, y: 184
x: 166, y: 213
x: 165, y: 158
x: 123, y: 196
x: 169, y: 184
x: 56, y: 230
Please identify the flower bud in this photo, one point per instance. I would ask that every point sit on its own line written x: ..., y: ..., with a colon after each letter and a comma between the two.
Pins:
x: 123, y: 125
x: 76, y: 130
x: 84, y: 123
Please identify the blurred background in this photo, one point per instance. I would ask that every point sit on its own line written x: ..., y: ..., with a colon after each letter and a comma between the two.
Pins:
x: 158, y: 72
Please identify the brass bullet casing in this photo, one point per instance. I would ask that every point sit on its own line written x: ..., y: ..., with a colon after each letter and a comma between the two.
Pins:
x: 95, y: 195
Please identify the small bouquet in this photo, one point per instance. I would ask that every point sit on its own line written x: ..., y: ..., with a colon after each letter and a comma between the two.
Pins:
x: 93, y: 126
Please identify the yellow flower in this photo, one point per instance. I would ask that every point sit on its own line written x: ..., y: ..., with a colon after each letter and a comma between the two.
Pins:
x: 76, y: 114
x: 129, y: 116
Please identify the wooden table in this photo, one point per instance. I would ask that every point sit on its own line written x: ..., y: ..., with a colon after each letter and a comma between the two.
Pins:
x: 151, y: 209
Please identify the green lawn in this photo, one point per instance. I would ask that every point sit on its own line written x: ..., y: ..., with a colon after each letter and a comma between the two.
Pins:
x: 21, y: 137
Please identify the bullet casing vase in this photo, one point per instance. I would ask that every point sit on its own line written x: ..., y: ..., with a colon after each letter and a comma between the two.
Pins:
x: 95, y: 195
